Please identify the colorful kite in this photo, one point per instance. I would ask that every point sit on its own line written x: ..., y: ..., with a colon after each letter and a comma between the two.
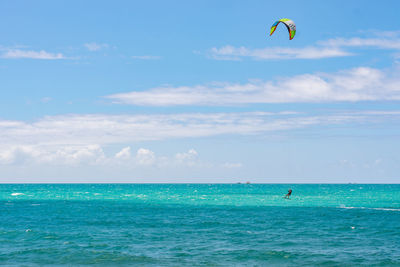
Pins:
x: 289, y: 25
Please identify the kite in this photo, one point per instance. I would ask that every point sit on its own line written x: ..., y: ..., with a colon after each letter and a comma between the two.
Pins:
x: 289, y: 25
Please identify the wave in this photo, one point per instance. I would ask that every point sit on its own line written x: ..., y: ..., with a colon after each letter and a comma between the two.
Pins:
x: 17, y: 194
x: 369, y: 208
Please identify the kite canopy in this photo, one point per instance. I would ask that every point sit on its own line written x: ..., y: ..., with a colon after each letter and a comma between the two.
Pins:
x: 289, y: 25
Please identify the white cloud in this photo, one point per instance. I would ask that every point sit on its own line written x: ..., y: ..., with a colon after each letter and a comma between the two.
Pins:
x: 238, y: 53
x: 111, y: 129
x: 125, y: 153
x: 94, y: 155
x: 82, y: 154
x: 17, y: 53
x: 66, y: 154
x: 80, y: 138
x: 358, y: 84
x: 381, y: 43
x: 187, y: 158
x: 73, y: 155
x: 95, y: 46
x: 17, y: 154
x: 145, y: 157
x: 323, y: 49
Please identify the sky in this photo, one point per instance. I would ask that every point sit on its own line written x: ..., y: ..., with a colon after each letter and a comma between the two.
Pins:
x: 198, y: 92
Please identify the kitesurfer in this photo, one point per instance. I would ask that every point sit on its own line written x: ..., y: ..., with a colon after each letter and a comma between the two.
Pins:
x: 288, y: 194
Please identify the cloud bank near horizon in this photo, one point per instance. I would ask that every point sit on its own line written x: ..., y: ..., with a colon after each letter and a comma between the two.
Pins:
x: 73, y: 139
x: 94, y: 155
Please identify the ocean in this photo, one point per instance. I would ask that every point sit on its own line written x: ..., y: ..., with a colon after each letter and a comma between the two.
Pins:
x: 199, y: 225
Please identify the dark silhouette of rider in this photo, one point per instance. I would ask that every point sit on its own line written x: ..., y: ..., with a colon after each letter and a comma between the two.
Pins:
x: 289, y: 193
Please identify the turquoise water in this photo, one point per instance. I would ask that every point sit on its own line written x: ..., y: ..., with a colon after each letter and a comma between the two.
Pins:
x: 199, y: 225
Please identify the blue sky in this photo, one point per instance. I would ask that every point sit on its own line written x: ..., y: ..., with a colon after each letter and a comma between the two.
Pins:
x: 185, y: 91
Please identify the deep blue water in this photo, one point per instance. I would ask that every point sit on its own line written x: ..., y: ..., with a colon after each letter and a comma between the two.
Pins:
x: 199, y: 225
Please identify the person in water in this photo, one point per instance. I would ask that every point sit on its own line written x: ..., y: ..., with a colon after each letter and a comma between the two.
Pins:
x: 289, y: 193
